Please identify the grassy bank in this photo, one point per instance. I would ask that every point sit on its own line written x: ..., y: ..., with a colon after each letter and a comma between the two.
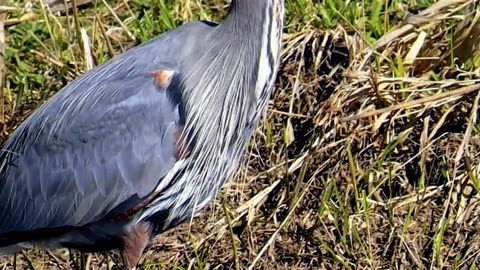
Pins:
x: 368, y: 157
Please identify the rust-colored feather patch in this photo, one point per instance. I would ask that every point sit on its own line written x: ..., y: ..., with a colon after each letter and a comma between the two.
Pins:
x: 135, y: 240
x: 162, y: 78
x: 131, y: 212
x: 181, y: 150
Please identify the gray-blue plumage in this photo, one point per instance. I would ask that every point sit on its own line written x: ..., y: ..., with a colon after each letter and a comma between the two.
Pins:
x: 119, y: 146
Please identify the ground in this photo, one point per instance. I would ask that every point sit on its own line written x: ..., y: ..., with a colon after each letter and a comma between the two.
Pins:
x: 368, y: 156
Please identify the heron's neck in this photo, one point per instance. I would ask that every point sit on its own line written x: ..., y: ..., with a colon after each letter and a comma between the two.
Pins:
x: 232, y: 77
x: 249, y: 16
x: 225, y: 91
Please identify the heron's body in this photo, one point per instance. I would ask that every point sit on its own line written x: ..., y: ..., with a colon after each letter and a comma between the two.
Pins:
x: 143, y: 142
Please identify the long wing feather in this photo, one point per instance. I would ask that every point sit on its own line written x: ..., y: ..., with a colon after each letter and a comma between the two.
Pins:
x: 81, y: 156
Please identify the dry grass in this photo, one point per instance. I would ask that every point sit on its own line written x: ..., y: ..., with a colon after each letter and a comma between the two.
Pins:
x: 368, y: 157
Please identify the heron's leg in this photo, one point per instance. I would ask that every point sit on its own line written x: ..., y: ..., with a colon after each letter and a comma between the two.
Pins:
x: 135, y: 240
x: 83, y: 261
x: 73, y: 261
x: 15, y: 261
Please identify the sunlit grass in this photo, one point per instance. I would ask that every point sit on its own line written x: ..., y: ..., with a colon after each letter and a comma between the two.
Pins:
x: 316, y: 191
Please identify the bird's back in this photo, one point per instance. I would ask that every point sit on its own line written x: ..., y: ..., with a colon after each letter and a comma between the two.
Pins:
x: 99, y: 147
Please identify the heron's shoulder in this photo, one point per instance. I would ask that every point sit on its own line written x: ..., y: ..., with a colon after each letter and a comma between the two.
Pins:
x: 199, y: 25
x: 165, y: 51
x: 179, y: 42
x: 179, y: 37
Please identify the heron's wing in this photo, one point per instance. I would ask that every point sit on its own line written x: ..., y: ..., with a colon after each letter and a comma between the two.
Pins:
x: 88, y: 151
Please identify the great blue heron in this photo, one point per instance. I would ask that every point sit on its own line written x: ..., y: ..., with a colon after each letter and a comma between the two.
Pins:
x: 143, y: 142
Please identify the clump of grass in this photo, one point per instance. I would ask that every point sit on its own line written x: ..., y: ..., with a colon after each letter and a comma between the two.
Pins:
x: 407, y: 112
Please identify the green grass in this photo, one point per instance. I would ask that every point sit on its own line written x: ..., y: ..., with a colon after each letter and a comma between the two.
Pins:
x: 359, y: 188
x: 48, y: 34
